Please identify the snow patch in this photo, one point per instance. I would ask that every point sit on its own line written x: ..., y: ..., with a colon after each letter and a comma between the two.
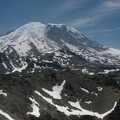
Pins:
x: 87, y: 112
x: 88, y: 102
x: 81, y: 111
x: 35, y: 107
x: 24, y: 65
x: 83, y: 89
x: 114, y: 52
x: 56, y: 91
x: 2, y: 93
x: 6, y: 115
x: 63, y: 109
x: 4, y: 65
x: 99, y: 88
x: 94, y: 93
x: 108, y: 71
x: 85, y: 71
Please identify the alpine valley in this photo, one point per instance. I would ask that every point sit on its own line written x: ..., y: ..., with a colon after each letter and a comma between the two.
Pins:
x: 53, y: 72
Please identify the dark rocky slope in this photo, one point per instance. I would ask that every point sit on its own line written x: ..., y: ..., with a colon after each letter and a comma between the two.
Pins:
x: 19, y: 87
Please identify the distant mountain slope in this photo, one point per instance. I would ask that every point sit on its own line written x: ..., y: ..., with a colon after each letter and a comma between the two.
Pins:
x: 56, y: 44
x: 35, y: 38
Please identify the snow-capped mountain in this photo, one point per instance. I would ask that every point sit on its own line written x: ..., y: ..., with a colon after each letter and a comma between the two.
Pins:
x: 35, y: 37
x: 52, y: 43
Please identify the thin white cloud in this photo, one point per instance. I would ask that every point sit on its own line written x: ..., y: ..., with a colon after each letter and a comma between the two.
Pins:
x: 103, y: 30
x: 83, y: 22
x: 109, y: 5
x: 68, y: 5
x: 110, y: 30
x: 100, y: 11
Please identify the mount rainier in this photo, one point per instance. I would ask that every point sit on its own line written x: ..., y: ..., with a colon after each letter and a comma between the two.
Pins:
x: 36, y: 39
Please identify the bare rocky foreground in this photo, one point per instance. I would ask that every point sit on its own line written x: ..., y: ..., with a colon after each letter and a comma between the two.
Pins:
x: 57, y: 95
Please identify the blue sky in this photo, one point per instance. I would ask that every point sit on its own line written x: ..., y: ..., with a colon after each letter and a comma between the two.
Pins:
x: 99, y: 20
